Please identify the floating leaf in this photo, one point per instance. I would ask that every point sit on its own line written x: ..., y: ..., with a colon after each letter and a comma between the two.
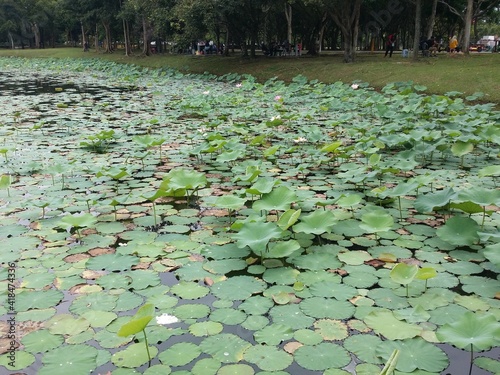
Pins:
x: 459, y: 231
x: 268, y: 358
x: 63, y: 360
x: 134, y: 356
x: 180, y: 354
x: 322, y: 356
x: 471, y: 330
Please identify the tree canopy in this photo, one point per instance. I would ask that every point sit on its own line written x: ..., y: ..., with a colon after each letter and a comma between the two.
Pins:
x: 180, y: 25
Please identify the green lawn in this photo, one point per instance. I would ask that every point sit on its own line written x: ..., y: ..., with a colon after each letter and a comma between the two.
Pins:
x: 467, y: 74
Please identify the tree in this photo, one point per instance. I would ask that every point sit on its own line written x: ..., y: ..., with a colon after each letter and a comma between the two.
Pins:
x: 346, y: 15
x: 416, y: 36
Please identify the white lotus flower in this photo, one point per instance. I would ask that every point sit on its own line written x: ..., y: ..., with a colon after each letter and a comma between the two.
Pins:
x: 300, y: 140
x: 238, y: 85
x: 166, y: 319
x: 354, y: 86
x: 206, y: 92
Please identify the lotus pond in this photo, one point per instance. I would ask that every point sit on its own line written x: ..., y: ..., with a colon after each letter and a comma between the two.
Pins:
x: 160, y: 223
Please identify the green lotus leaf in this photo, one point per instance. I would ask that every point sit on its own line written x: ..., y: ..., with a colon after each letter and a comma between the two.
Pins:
x: 77, y: 221
x: 256, y: 305
x: 282, y: 249
x: 349, y: 200
x: 98, y: 318
x: 273, y: 334
x: 435, y: 201
x: 225, y: 266
x: 385, y: 323
x: 278, y: 199
x: 291, y: 316
x: 288, y: 219
x: 63, y: 360
x: 180, y: 354
x: 364, y: 347
x: 268, y: 358
x: 317, y: 223
x: 354, y: 257
x: 376, y: 221
x: 114, y: 281
x: 157, y: 370
x: 433, y: 298
x: 322, y: 356
x: 491, y: 170
x: 318, y: 307
x: 492, y: 253
x: 255, y: 322
x: 138, y: 322
x: 230, y: 202
x: 142, y: 279
x: 256, y: 235
x: 183, y: 179
x: 134, y: 356
x: 201, y: 329
x: 316, y: 261
x: 331, y: 329
x: 481, y: 286
x: 468, y: 207
x: 426, y: 273
x: 206, y: 366
x: 471, y: 331
x: 112, y: 262
x: 41, y: 341
x: 414, y: 354
x: 332, y: 289
x: 461, y: 148
x: 191, y: 311
x: 403, y: 273
x: 27, y: 300
x: 488, y: 364
x: 93, y: 301
x: 228, y: 316
x: 481, y: 196
x: 459, y: 231
x: 237, y: 369
x: 281, y: 275
x: 189, y: 290
x: 23, y: 360
x: 415, y: 314
x: 262, y: 186
x: 238, y: 288
x: 225, y: 347
x: 446, y: 314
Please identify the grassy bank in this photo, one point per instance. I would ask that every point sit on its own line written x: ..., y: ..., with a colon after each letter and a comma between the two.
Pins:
x: 467, y: 74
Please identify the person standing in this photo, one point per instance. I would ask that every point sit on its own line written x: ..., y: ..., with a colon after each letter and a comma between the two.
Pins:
x: 391, y: 42
x: 453, y: 44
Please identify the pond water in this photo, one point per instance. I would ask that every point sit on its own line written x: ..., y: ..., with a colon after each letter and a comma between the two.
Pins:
x: 293, y: 229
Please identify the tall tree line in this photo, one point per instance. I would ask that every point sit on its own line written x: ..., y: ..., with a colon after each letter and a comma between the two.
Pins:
x: 151, y: 25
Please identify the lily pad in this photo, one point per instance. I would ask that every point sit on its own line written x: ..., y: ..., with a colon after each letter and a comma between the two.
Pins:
x: 322, y: 357
x: 268, y: 358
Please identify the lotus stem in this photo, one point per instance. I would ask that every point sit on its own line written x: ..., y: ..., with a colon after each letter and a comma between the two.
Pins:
x: 147, y: 347
x: 400, y: 210
x: 484, y: 217
x: 154, y: 214
x: 471, y: 358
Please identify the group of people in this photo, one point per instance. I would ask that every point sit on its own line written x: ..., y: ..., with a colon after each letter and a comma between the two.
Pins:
x: 279, y: 49
x: 429, y: 47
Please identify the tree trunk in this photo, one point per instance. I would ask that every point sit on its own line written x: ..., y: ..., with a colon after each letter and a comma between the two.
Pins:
x: 11, y: 39
x: 84, y: 37
x: 36, y: 33
x: 126, y: 38
x: 226, y: 49
x: 467, y: 28
x: 418, y: 20
x: 432, y: 19
x: 108, y: 43
x: 145, y: 40
x: 346, y: 17
x: 288, y: 15
x: 96, y: 39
